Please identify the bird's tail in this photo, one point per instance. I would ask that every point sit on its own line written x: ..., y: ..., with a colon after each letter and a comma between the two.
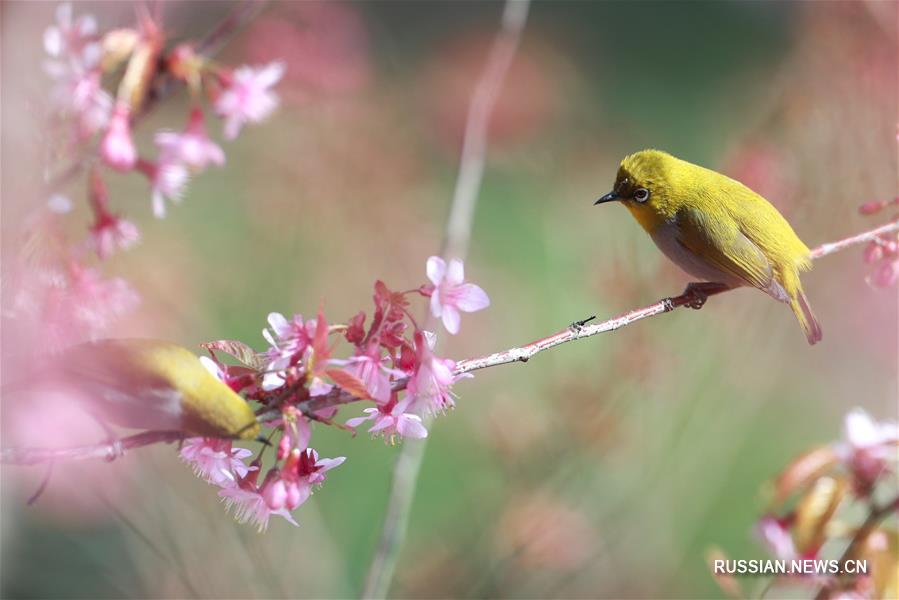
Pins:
x: 805, y: 316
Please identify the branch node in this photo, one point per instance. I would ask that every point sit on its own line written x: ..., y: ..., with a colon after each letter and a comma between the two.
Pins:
x: 115, y: 450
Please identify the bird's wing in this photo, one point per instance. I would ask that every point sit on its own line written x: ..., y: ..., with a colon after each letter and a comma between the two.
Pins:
x: 717, y: 239
x: 119, y: 387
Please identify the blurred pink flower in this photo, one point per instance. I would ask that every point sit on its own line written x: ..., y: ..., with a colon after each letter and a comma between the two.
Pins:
x: 250, y: 506
x: 247, y: 97
x: 886, y: 274
x: 451, y: 294
x: 78, y: 92
x: 873, y: 252
x: 110, y: 233
x: 117, y: 148
x: 59, y: 204
x: 73, y: 40
x: 215, y: 460
x: 168, y: 178
x: 868, y: 447
x: 192, y: 147
x: 393, y: 421
x: 776, y: 537
x: 430, y: 382
x: 84, y: 306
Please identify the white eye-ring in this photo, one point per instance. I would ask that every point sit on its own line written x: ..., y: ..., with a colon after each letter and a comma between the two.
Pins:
x: 641, y: 194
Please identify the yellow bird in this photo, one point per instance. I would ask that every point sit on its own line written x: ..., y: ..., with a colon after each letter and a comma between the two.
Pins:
x: 716, y: 229
x: 150, y: 384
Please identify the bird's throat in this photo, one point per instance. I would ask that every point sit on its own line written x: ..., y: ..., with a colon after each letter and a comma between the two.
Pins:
x: 649, y: 219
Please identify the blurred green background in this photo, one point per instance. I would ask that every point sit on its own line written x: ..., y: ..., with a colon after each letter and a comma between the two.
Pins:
x: 606, y: 468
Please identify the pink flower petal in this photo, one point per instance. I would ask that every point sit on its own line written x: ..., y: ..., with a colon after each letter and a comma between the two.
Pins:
x: 327, y: 464
x: 410, y: 426
x: 436, y: 268
x: 455, y: 274
x: 436, y: 306
x: 451, y: 319
x: 471, y: 297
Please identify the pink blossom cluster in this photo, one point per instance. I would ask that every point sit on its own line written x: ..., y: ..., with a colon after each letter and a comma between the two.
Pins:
x: 102, y: 84
x: 136, y: 61
x: 824, y: 481
x: 300, y: 380
x: 882, y: 252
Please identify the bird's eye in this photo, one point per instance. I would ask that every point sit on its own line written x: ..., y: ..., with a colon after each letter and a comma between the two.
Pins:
x: 641, y: 194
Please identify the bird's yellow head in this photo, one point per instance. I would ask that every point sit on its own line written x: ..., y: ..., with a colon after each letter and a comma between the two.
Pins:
x: 644, y: 185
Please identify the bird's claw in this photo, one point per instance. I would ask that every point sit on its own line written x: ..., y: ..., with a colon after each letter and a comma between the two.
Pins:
x: 578, y: 326
x: 696, y: 294
x: 697, y: 300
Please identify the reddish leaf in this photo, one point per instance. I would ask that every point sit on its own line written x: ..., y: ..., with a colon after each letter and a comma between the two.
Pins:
x: 243, y: 353
x: 349, y: 383
x: 355, y: 331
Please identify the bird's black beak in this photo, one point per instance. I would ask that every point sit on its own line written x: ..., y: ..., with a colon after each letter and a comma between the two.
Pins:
x: 607, y: 198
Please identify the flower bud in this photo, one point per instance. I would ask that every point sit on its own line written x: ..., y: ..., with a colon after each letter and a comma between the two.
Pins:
x: 873, y: 252
x: 294, y: 497
x: 117, y: 148
x: 274, y: 492
x: 886, y: 274
x: 872, y: 207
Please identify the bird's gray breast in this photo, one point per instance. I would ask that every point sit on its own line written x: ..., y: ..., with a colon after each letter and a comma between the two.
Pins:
x: 665, y: 237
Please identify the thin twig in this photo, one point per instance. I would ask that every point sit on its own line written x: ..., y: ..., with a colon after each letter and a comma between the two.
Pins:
x: 111, y: 450
x: 570, y: 334
x: 219, y: 36
x: 106, y: 451
x: 875, y: 516
x: 458, y: 233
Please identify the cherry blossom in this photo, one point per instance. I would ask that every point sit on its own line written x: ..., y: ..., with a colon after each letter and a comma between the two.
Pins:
x: 868, y: 447
x: 110, y: 233
x: 450, y: 294
x: 247, y: 97
x: 249, y: 506
x: 192, y: 147
x: 372, y: 370
x: 430, y: 383
x: 168, y: 178
x: 92, y: 301
x: 288, y: 341
x: 73, y: 40
x: 215, y: 460
x: 776, y: 537
x: 393, y: 421
x: 292, y: 485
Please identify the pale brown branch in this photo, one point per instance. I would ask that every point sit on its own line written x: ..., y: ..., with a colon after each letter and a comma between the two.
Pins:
x: 570, y: 334
x: 106, y: 450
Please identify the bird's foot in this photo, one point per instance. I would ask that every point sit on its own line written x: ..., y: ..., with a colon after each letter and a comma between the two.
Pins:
x: 578, y: 326
x: 697, y: 293
x: 115, y: 449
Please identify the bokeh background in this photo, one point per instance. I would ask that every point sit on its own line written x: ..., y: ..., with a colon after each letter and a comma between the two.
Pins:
x: 605, y: 468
